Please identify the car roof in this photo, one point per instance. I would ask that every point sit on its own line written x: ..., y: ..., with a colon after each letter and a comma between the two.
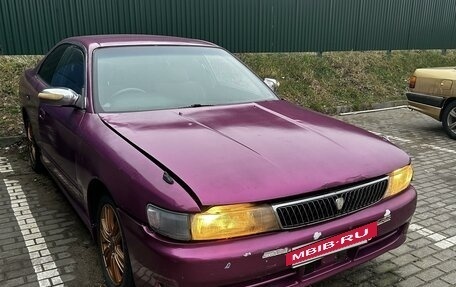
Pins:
x: 136, y: 39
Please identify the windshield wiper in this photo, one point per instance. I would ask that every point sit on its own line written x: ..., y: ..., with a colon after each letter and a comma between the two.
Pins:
x: 197, y: 106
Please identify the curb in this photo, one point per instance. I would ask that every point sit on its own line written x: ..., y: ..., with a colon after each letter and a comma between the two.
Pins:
x: 374, y: 106
x: 373, y: 110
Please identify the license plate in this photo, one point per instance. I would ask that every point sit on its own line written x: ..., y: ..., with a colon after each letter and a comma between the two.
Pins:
x: 349, y: 239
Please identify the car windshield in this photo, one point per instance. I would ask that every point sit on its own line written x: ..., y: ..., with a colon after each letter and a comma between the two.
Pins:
x: 142, y: 78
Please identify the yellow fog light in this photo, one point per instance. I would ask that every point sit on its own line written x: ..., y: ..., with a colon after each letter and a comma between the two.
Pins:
x: 399, y: 180
x: 221, y: 222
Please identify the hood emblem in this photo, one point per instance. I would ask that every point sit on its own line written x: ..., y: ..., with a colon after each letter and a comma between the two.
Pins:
x: 339, y: 203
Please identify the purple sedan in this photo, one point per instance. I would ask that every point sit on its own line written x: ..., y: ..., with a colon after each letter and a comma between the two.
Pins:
x: 190, y: 171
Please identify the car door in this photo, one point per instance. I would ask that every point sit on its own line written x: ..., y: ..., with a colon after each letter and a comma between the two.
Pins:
x: 59, y: 125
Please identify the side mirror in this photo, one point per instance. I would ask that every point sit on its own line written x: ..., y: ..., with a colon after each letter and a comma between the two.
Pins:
x: 273, y: 84
x: 61, y: 97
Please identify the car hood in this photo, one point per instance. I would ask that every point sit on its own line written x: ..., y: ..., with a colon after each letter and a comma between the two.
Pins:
x: 258, y: 151
x: 437, y: 73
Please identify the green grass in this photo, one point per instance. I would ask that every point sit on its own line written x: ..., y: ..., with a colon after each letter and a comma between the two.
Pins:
x: 357, y: 79
x: 11, y: 68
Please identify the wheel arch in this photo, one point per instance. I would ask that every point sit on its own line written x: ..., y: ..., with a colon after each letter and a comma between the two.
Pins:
x: 25, y: 118
x: 95, y: 191
x: 445, y: 104
x: 24, y: 114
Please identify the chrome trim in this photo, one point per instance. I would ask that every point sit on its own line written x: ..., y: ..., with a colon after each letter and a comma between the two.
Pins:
x: 335, y: 193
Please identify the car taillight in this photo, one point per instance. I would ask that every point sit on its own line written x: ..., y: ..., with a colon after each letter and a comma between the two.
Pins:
x: 412, y: 82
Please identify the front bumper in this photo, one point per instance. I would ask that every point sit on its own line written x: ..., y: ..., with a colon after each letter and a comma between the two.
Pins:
x: 240, y: 262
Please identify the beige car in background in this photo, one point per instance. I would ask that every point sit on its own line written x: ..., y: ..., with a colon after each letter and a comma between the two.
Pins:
x: 432, y: 92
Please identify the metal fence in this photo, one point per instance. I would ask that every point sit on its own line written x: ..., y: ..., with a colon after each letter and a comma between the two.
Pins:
x: 33, y: 26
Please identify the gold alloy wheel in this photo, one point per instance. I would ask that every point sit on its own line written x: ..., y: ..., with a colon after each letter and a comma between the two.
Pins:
x: 111, y: 244
x: 31, y: 145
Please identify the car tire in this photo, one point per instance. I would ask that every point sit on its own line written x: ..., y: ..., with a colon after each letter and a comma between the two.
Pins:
x: 33, y: 151
x: 449, y: 119
x: 112, y: 247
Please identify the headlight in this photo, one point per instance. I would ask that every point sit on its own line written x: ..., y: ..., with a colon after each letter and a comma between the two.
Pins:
x: 233, y: 220
x: 217, y: 222
x: 399, y: 180
x: 171, y: 224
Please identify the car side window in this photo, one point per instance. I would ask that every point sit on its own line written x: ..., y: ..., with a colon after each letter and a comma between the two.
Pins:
x: 69, y: 73
x: 49, y: 65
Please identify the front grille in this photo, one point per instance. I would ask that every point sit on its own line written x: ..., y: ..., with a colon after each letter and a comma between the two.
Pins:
x: 324, y: 207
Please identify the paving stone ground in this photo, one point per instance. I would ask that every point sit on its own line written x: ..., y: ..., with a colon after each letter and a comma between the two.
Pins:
x: 428, y: 256
x: 43, y: 242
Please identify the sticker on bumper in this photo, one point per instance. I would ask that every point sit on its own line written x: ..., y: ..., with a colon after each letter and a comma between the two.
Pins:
x: 333, y: 244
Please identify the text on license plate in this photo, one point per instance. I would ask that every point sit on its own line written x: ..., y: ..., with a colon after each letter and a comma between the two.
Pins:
x: 333, y: 244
